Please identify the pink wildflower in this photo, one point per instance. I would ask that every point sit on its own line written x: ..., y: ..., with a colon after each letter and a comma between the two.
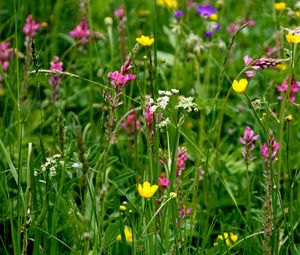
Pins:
x: 183, y: 211
x: 131, y: 123
x: 149, y: 116
x: 119, y: 13
x: 248, y: 140
x: 81, y: 32
x: 31, y: 26
x: 120, y: 80
x: 55, y: 79
x: 233, y: 28
x: 163, y: 182
x: 5, y: 55
x: 295, y: 88
x: 5, y: 59
x: 180, y: 161
x: 274, y: 146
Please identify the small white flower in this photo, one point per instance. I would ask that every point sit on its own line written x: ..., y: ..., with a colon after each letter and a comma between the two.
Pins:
x: 163, y: 102
x: 43, y: 168
x: 153, y: 108
x: 36, y: 173
x: 57, y: 156
x: 164, y: 93
x: 187, y: 104
x: 77, y: 165
x: 174, y: 91
x: 164, y: 123
x: 62, y: 163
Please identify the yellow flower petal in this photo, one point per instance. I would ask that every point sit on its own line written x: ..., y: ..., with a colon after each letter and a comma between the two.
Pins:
x: 146, y: 191
x: 280, y: 6
x: 292, y: 39
x: 213, y: 17
x: 239, y: 86
x: 171, y: 4
x: 145, y: 40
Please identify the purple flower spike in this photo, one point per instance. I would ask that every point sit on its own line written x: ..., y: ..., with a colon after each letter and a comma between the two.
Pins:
x: 206, y: 10
x: 248, y: 140
x: 178, y: 14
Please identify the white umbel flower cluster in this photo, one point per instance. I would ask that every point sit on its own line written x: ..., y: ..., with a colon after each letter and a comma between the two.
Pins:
x: 187, y: 104
x: 163, y: 99
x: 51, y: 165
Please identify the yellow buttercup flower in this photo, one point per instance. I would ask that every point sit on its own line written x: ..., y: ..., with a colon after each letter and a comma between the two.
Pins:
x: 239, y: 86
x: 147, y: 191
x: 171, y: 4
x: 128, y: 235
x: 297, y: 13
x: 281, y: 67
x: 213, y: 17
x: 280, y: 6
x: 145, y: 40
x: 292, y: 39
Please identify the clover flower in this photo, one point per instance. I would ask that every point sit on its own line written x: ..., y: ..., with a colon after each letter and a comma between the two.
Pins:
x: 240, y: 86
x: 145, y: 40
x: 146, y: 191
x: 81, y: 32
x: 206, y: 10
x: 128, y: 235
x: 148, y: 116
x: 295, y: 88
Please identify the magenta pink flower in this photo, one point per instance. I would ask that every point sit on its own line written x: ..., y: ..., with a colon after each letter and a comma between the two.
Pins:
x: 149, y: 116
x: 233, y: 28
x: 274, y: 146
x: 5, y: 55
x: 119, y: 13
x: 131, y: 124
x: 120, y: 80
x: 248, y: 140
x: 295, y: 88
x: 31, y: 26
x: 81, y: 32
x: 55, y: 79
x: 163, y: 182
x: 183, y: 211
x: 180, y: 161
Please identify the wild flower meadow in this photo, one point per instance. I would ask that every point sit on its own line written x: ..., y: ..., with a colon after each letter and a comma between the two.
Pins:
x: 149, y: 127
